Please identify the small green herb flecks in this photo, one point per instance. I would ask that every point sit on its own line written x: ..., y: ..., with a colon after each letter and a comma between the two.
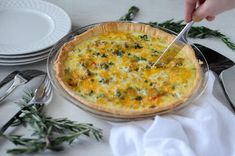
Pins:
x: 111, y: 63
x: 104, y: 55
x: 137, y: 58
x: 138, y: 98
x: 104, y: 81
x: 96, y: 54
x: 144, y: 37
x: 118, y: 94
x: 101, y: 95
x: 91, y: 93
x: 66, y: 70
x: 104, y: 66
x: 155, y: 52
x: 118, y: 53
x: 137, y: 46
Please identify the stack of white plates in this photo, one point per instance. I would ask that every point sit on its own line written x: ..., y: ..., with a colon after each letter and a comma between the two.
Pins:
x: 28, y: 30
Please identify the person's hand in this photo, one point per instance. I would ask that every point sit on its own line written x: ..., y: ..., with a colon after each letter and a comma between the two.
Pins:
x: 200, y: 9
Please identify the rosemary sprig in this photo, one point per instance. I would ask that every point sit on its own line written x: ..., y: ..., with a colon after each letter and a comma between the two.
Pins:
x: 176, y: 26
x: 195, y: 31
x: 48, y: 133
x: 130, y: 15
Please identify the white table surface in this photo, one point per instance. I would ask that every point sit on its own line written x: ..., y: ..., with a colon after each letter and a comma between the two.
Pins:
x: 83, y: 12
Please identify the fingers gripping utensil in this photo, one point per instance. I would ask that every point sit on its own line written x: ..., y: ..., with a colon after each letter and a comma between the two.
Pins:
x: 174, y: 47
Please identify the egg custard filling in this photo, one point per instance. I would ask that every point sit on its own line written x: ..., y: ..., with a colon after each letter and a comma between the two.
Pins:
x: 108, y: 68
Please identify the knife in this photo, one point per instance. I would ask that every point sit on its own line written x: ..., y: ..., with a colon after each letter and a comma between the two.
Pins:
x: 11, y: 76
x: 225, y: 70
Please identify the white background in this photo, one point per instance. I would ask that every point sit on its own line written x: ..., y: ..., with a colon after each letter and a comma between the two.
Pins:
x: 83, y: 12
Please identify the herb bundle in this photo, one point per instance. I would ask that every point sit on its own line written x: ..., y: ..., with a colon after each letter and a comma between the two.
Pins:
x: 48, y: 133
x: 200, y: 32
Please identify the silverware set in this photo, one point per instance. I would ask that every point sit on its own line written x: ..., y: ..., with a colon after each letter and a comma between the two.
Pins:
x: 42, y: 95
x: 20, y: 78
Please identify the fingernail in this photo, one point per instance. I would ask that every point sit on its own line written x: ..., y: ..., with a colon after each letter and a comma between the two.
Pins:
x: 196, y: 18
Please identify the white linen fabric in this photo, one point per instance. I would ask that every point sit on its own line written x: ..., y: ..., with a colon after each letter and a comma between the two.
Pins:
x: 205, y: 128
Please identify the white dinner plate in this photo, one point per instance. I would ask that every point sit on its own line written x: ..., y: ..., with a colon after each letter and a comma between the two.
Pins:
x: 38, y: 59
x: 23, y: 56
x: 28, y: 26
x: 20, y: 60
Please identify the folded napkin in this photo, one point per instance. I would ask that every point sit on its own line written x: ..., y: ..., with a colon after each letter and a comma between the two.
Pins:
x: 205, y: 128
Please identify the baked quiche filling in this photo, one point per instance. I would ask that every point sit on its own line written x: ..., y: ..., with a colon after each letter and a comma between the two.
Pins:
x: 111, y: 70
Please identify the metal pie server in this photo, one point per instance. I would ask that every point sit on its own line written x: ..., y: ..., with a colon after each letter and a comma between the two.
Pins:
x: 224, y: 68
x: 20, y: 78
x: 215, y: 60
x: 227, y: 78
x: 174, y: 47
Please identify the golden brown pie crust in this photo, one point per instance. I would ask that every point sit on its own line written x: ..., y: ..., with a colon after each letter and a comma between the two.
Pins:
x: 126, y: 27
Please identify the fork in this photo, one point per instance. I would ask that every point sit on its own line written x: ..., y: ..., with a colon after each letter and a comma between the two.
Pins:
x: 175, y: 46
x: 42, y: 95
x: 21, y: 78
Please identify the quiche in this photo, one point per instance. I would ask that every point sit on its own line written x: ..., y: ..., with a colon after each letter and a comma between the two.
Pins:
x: 108, y: 69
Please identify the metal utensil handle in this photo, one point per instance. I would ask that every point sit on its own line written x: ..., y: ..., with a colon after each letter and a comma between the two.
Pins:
x: 181, y: 37
x: 15, y: 117
x: 184, y: 33
x: 8, y: 78
x: 18, y: 80
x: 12, y: 120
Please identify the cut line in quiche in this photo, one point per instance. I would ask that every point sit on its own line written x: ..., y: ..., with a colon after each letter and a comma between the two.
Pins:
x: 108, y: 69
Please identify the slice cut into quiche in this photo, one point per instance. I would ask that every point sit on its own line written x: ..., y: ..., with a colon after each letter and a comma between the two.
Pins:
x: 108, y: 69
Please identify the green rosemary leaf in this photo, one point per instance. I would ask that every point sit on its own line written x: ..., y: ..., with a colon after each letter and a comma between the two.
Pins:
x: 195, y: 31
x: 200, y: 32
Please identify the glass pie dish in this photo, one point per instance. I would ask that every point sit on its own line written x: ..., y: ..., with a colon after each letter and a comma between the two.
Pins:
x: 109, y: 115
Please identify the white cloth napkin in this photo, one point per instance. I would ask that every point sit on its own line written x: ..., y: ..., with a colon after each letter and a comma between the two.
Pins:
x: 206, y: 128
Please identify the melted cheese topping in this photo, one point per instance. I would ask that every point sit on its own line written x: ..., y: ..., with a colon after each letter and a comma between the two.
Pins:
x: 113, y: 70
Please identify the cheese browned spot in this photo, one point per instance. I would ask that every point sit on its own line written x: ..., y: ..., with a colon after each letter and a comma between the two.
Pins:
x: 108, y: 68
